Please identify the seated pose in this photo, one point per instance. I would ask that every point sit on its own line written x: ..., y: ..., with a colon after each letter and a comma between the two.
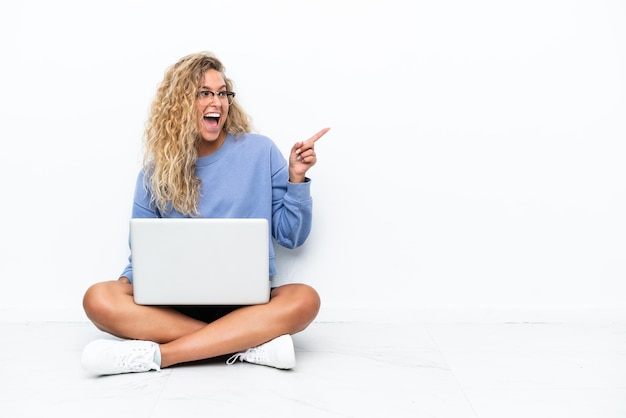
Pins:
x: 201, y: 160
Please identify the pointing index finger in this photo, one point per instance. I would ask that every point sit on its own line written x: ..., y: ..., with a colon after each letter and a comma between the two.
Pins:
x: 318, y: 135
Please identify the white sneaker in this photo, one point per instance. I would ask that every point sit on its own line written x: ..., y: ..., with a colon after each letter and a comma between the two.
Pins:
x: 277, y: 353
x: 104, y: 357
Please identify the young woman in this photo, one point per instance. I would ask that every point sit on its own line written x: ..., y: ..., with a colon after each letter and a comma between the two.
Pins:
x: 202, y: 161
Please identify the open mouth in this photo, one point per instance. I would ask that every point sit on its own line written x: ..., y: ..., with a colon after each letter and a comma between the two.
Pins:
x: 212, y: 119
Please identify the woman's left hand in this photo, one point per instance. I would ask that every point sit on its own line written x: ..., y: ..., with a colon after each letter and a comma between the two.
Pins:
x: 302, y: 157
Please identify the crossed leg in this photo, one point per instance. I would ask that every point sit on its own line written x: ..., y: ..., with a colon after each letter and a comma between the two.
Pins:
x: 112, y: 309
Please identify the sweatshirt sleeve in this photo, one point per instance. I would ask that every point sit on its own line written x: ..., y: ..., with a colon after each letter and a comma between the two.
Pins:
x: 141, y: 209
x: 291, y: 206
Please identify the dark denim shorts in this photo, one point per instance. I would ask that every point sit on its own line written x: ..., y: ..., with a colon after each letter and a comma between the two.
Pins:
x: 205, y: 313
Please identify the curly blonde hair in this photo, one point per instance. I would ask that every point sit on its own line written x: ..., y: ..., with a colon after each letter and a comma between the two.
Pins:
x: 172, y: 133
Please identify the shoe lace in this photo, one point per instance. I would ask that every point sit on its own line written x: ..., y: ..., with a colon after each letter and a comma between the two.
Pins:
x: 137, y: 359
x: 232, y: 359
x: 250, y: 355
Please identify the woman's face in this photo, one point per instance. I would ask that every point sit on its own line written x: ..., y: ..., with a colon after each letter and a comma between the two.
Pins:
x: 212, y: 111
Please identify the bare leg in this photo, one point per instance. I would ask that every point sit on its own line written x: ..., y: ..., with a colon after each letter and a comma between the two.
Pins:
x: 111, y: 307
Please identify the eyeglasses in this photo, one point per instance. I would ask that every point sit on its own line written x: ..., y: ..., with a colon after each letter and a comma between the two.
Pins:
x: 207, y: 96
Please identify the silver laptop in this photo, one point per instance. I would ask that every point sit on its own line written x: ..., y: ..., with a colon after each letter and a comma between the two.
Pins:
x: 200, y: 261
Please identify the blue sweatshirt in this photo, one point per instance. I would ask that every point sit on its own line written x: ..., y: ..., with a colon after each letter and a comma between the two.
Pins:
x: 247, y: 177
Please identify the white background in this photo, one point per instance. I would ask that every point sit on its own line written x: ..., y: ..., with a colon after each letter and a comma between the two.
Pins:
x: 475, y: 164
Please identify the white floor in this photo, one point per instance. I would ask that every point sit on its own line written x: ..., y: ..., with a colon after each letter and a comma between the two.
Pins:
x: 529, y: 370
